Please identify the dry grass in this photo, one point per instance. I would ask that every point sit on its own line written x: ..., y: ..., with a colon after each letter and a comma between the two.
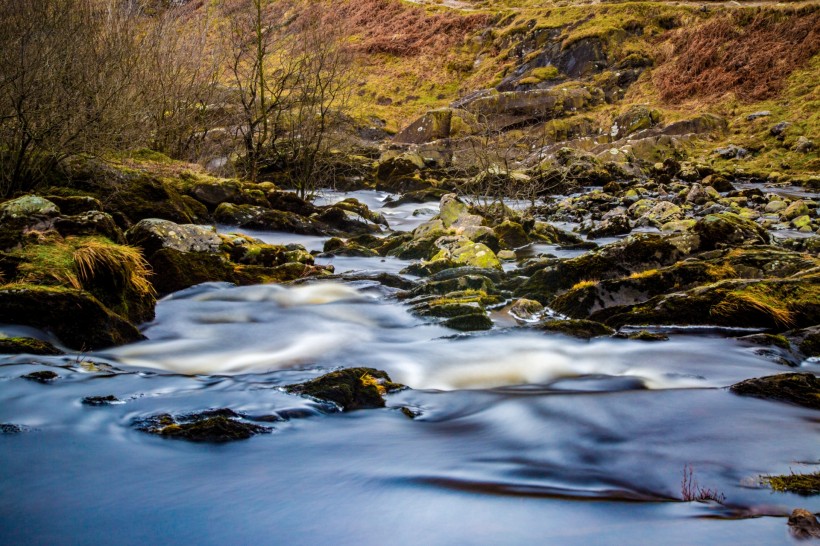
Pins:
x: 644, y: 274
x: 123, y: 264
x: 755, y: 301
x: 750, y: 55
x: 392, y: 27
x: 584, y: 284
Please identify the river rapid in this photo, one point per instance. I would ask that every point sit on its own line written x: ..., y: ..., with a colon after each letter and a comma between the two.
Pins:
x: 519, y: 437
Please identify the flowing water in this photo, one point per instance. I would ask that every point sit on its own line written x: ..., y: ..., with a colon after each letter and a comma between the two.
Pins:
x: 521, y: 437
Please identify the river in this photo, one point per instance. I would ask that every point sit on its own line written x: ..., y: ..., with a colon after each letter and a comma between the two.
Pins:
x: 520, y: 437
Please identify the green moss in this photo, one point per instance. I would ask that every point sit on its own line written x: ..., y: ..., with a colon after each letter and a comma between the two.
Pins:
x: 584, y: 329
x: 796, y: 388
x: 802, y: 484
x: 27, y: 345
x: 540, y: 74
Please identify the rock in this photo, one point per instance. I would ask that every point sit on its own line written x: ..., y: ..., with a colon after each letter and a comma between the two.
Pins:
x: 213, y: 194
x: 697, y: 195
x: 795, y: 209
x: 808, y: 340
x: 719, y: 183
x: 135, y: 197
x: 43, y: 376
x: 778, y: 129
x: 644, y: 335
x: 803, y: 524
x: 776, y: 304
x: 526, y: 310
x: 584, y: 329
x: 761, y: 114
x: 100, y: 400
x: 616, y: 225
x: 89, y: 223
x: 350, y: 388
x: 462, y: 251
x: 74, y: 205
x: 775, y: 206
x: 78, y: 319
x: 716, y: 230
x: 803, y: 145
x: 511, y: 235
x: 255, y: 217
x: 27, y: 345
x: 27, y: 206
x: 434, y: 125
x: 802, y: 389
x: 338, y: 219
x: 637, y: 252
x: 469, y: 323
x: 731, y: 152
x: 636, y: 118
x: 213, y: 426
x: 9, y: 428
x: 451, y: 208
x: 399, y: 166
x: 661, y: 213
x: 153, y: 234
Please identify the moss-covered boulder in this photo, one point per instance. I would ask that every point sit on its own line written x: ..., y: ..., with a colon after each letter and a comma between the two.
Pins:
x: 78, y: 319
x: 526, y: 310
x: 27, y: 345
x: 464, y: 252
x: 802, y: 389
x: 584, y: 329
x: 397, y: 166
x: 773, y: 304
x: 638, y: 252
x: 153, y: 234
x: 89, y: 224
x: 729, y: 229
x: 29, y: 213
x: 615, y: 225
x: 350, y: 388
x: 216, y: 426
x: 511, y: 235
x: 255, y: 217
x: 469, y: 322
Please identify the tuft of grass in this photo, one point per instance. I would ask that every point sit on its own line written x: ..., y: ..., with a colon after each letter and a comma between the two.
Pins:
x: 722, y: 271
x: 691, y: 491
x: 368, y: 380
x: 757, y: 301
x: 802, y: 484
x: 644, y: 274
x: 584, y: 284
x: 123, y: 264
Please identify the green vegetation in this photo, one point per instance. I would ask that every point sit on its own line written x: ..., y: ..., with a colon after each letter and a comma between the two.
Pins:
x: 802, y: 484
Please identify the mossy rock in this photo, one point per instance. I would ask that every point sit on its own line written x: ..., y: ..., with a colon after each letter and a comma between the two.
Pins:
x: 153, y: 234
x: 646, y: 335
x: 638, y: 252
x: 75, y: 204
x: 78, y: 319
x: 27, y: 345
x: 217, y: 426
x: 469, y: 322
x: 729, y: 229
x: 89, y: 224
x: 255, y: 217
x: 350, y: 388
x: 771, y: 304
x: 802, y: 389
x: 135, y: 197
x: 467, y: 253
x: 175, y: 270
x: 511, y: 235
x: 584, y: 329
x: 27, y: 206
x: 526, y: 310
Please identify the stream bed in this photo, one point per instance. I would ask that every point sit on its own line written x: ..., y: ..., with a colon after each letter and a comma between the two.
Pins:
x: 519, y: 436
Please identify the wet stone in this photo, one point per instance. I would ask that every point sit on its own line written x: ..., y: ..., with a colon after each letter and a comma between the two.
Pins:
x: 43, y: 376
x: 100, y: 400
x: 350, y: 389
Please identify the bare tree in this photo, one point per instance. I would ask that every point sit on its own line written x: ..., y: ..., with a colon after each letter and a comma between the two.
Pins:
x: 66, y: 69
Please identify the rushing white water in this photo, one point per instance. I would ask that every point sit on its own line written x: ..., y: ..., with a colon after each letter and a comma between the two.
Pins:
x: 520, y: 437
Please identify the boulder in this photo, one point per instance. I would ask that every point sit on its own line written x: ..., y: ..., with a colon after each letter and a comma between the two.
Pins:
x: 729, y: 229
x: 802, y: 389
x: 78, y: 319
x: 350, y: 389
x: 153, y: 234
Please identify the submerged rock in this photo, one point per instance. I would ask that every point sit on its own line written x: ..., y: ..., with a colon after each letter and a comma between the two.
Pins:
x: 584, y: 329
x: 802, y: 389
x: 42, y: 376
x: 221, y: 425
x: 350, y: 388
x: 100, y: 400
